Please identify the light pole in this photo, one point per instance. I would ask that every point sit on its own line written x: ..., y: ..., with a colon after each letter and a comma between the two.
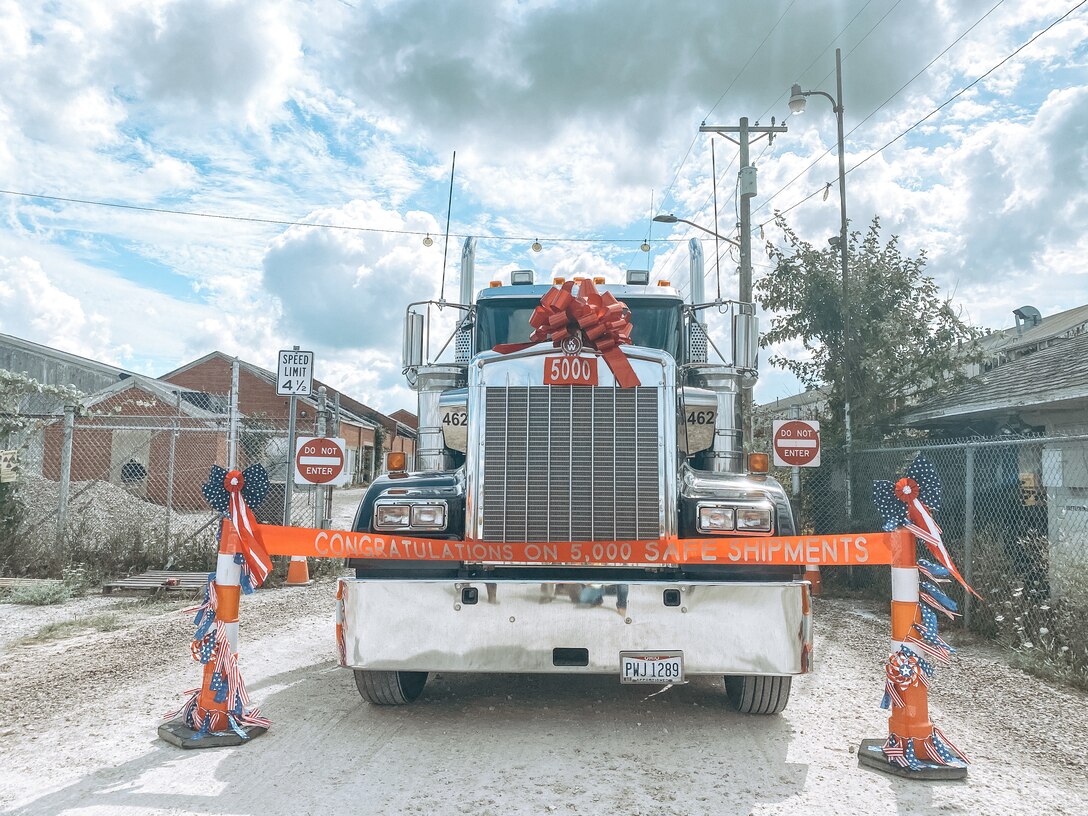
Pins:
x: 797, y: 105
x: 672, y: 219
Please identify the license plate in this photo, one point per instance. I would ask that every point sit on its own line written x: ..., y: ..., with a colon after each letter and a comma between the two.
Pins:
x: 652, y: 667
x: 570, y: 370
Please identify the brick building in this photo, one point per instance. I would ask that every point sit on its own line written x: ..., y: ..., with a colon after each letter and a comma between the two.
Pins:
x: 146, y: 436
x: 359, y: 424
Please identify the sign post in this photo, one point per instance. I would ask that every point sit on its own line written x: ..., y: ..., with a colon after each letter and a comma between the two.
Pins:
x: 294, y: 378
x: 796, y: 443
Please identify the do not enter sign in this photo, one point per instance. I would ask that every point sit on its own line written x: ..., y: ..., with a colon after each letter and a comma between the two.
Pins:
x: 320, y: 460
x: 796, y: 442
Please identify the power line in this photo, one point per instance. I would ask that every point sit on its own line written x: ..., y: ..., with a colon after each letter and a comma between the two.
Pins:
x: 320, y: 225
x: 928, y: 65
x: 744, y: 67
x: 936, y: 110
x: 769, y: 144
x: 964, y: 90
x: 687, y: 153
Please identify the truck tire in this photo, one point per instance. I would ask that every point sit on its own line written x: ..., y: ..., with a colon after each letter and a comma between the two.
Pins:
x: 757, y: 695
x: 390, y: 687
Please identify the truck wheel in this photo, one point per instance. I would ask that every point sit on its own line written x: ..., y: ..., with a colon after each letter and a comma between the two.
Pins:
x: 757, y: 695
x: 390, y: 687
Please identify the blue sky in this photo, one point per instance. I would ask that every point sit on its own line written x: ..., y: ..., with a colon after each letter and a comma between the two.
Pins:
x: 568, y: 119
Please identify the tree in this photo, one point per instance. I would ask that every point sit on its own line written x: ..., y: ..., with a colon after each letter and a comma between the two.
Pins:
x: 25, y: 404
x: 907, y: 343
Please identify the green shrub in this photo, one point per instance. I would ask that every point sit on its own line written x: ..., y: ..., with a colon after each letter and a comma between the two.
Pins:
x: 39, y: 594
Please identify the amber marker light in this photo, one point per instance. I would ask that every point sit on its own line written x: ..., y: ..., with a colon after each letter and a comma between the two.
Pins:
x: 493, y: 284
x: 559, y: 281
x: 664, y: 283
x: 758, y: 463
x: 396, y: 462
x: 598, y: 280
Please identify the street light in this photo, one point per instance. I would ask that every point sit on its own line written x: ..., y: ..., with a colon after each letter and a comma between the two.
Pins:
x: 797, y: 106
x: 672, y: 219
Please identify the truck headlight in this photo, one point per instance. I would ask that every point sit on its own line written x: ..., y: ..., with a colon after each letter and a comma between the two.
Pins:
x: 714, y: 519
x: 416, y: 515
x: 392, y: 516
x: 429, y: 517
x: 756, y: 519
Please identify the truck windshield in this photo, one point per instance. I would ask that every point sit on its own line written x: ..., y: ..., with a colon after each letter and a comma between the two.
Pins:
x: 654, y: 323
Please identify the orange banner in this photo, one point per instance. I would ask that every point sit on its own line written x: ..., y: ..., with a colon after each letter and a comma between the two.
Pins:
x: 856, y: 549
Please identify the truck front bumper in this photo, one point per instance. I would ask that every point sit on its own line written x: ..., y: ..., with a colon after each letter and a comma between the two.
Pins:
x: 523, y: 626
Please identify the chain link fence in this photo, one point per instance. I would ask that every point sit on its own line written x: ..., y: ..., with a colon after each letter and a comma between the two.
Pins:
x: 1015, y: 520
x: 117, y: 494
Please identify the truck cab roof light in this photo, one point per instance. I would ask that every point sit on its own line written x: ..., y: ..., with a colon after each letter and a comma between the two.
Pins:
x: 558, y: 281
x: 758, y: 463
x: 664, y: 283
x: 493, y: 284
x: 521, y: 277
x: 638, y: 277
x: 599, y: 281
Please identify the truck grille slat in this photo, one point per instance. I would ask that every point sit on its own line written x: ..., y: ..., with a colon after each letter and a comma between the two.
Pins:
x: 571, y: 463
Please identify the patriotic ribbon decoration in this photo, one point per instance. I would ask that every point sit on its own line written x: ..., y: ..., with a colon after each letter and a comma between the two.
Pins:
x: 902, y: 669
x: 222, y: 704
x: 901, y: 752
x: 211, y: 645
x: 910, y: 503
x: 228, y: 492
x: 603, y: 321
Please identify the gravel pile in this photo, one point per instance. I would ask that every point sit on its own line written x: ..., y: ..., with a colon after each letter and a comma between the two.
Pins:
x: 98, y: 509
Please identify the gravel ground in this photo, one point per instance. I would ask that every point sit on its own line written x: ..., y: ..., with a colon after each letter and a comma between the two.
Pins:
x: 78, y: 730
x: 77, y: 733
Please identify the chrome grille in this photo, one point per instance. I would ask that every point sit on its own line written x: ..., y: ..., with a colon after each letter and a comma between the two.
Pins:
x: 571, y: 463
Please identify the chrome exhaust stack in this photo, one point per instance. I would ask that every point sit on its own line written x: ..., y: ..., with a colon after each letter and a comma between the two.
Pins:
x: 726, y: 453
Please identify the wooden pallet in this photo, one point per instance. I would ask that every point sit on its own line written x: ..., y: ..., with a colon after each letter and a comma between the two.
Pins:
x: 159, y: 581
x: 11, y: 583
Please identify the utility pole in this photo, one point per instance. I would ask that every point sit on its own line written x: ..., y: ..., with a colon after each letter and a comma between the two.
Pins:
x: 746, y: 190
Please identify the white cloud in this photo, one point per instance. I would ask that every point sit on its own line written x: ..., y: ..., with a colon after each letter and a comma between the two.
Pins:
x: 563, y: 116
x: 347, y: 289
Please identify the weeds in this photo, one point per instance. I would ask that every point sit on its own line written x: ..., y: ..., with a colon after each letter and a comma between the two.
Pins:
x: 1046, y: 633
x: 39, y: 594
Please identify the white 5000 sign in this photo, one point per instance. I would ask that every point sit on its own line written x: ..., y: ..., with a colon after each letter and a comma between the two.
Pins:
x: 570, y: 370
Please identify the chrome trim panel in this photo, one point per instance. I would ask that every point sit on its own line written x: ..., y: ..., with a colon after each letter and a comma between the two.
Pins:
x: 722, y: 628
x: 525, y: 504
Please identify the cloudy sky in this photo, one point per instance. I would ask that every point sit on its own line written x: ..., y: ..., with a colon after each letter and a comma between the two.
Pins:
x: 573, y: 123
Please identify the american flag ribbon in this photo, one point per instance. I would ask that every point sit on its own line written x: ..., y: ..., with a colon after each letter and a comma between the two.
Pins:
x: 928, y: 644
x: 925, y: 527
x: 190, y: 701
x: 934, y: 572
x: 937, y: 600
x: 245, y: 526
x: 944, y: 748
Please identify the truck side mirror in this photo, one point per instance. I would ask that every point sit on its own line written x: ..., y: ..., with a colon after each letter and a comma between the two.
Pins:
x: 413, y: 340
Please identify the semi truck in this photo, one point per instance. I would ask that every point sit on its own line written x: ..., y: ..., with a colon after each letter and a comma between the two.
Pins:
x: 531, y: 444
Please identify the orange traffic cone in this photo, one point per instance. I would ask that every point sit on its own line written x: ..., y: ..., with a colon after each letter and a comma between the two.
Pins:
x: 298, y: 571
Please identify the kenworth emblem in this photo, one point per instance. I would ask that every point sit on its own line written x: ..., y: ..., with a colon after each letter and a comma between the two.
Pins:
x: 572, y: 346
